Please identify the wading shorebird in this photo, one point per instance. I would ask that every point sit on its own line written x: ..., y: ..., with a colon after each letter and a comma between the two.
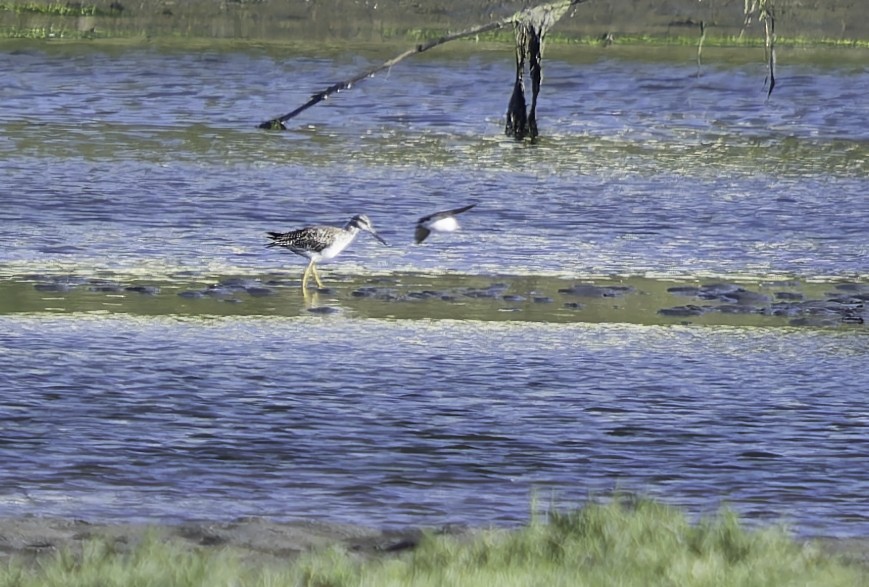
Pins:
x: 439, y: 222
x: 321, y: 242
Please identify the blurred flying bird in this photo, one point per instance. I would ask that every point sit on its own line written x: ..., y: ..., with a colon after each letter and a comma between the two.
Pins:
x: 444, y: 221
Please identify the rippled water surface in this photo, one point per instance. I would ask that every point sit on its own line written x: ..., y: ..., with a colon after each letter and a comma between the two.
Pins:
x: 663, y: 294
x: 408, y: 422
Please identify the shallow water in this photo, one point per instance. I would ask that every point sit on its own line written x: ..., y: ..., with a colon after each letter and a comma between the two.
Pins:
x: 408, y: 422
x: 159, y: 362
x: 148, y: 162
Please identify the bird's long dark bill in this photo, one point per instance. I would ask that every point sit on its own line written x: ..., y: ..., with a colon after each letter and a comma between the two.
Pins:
x: 380, y: 238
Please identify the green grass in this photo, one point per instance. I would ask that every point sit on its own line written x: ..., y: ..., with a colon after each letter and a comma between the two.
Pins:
x: 752, y: 38
x: 58, y: 9
x: 748, y: 40
x: 112, y: 24
x: 626, y: 543
x: 47, y: 33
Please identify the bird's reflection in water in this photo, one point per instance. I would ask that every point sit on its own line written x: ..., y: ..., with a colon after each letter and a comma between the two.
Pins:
x: 314, y: 306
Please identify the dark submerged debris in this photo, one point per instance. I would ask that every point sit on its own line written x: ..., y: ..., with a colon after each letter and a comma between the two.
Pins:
x: 146, y: 290
x: 370, y: 291
x: 424, y: 295
x: 759, y: 454
x: 713, y: 291
x: 513, y: 298
x: 845, y: 306
x: 260, y: 292
x: 494, y: 291
x: 67, y: 283
x: 218, y: 292
x: 683, y: 311
x: 852, y: 287
x: 52, y: 287
x: 105, y: 287
x: 324, y: 310
x: 853, y: 318
x: 744, y: 297
x: 596, y: 291
x: 739, y: 309
x: 57, y: 283
x: 684, y: 290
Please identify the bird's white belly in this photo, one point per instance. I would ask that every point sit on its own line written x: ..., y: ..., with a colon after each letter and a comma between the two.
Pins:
x: 335, y: 248
x: 447, y: 224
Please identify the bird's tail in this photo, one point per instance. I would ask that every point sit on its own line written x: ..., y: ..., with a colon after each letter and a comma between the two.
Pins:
x: 274, y: 236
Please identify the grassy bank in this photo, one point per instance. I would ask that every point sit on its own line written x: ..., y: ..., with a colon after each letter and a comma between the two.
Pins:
x: 627, y: 543
x: 68, y: 30
x: 837, y: 22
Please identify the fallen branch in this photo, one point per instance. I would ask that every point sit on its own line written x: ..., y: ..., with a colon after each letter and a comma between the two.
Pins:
x: 278, y: 123
x: 530, y: 15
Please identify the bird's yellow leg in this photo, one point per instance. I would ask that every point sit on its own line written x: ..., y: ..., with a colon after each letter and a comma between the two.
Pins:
x: 316, y: 276
x: 305, y: 276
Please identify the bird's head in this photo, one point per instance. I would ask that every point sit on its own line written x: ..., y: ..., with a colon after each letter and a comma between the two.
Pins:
x: 362, y: 222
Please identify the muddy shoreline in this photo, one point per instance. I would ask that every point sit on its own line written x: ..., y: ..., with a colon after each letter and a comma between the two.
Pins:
x: 259, y: 541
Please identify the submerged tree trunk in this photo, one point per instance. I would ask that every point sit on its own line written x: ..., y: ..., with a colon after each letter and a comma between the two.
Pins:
x: 530, y: 27
x: 769, y: 29
x: 764, y: 11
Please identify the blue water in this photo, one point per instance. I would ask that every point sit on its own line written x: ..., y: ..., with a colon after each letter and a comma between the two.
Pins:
x: 151, y: 162
x: 139, y: 165
x: 395, y: 423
